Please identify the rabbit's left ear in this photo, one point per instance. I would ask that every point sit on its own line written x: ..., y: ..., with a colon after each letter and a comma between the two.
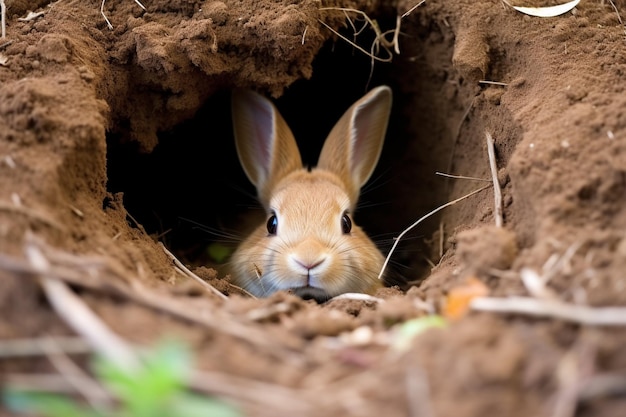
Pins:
x: 353, y: 146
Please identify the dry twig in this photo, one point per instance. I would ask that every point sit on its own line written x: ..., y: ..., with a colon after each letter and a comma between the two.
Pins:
x: 266, y: 399
x: 51, y: 383
x: 99, y: 275
x: 493, y: 83
x: 3, y: 15
x: 78, y: 316
x: 32, y: 213
x: 460, y: 177
x: 619, y: 18
x: 370, y: 53
x: 43, y: 346
x: 191, y: 275
x: 558, y: 263
x: 95, y: 395
x: 421, y: 219
x: 30, y: 16
x: 593, y: 316
x: 379, y: 42
x: 110, y: 26
x: 536, y: 285
x: 408, y: 12
x: 497, y: 193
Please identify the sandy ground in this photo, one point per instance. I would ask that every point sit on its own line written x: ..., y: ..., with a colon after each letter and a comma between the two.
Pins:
x: 116, y: 142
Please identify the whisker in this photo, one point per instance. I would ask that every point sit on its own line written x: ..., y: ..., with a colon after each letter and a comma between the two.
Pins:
x: 227, y: 235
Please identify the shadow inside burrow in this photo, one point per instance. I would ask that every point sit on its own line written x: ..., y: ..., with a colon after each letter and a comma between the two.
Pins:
x: 191, y: 193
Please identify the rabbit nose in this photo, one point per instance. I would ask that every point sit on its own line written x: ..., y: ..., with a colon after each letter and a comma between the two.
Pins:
x: 309, y: 255
x: 309, y: 264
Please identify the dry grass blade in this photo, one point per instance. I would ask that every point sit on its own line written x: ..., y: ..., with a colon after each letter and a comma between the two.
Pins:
x: 493, y: 83
x: 43, y: 346
x: 93, y: 393
x: 619, y: 18
x: 50, y: 383
x: 408, y: 12
x: 211, y: 319
x: 536, y: 285
x: 368, y: 53
x: 99, y: 275
x: 140, y: 5
x: 556, y: 263
x: 78, y: 316
x: 381, y: 37
x: 379, y: 42
x: 106, y: 19
x: 598, y: 316
x: 191, y: 275
x: 408, y: 229
x: 460, y: 177
x: 30, y: 16
x: 264, y: 399
x: 497, y: 193
x: 34, y: 214
x: 3, y: 15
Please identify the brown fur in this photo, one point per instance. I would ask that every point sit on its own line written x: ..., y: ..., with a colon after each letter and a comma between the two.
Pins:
x: 310, y: 254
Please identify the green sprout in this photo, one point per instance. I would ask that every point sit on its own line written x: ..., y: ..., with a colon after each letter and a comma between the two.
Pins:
x: 156, y: 389
x: 410, y: 329
x: 219, y: 252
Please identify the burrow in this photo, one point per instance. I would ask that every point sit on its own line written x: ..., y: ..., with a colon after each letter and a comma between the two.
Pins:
x: 190, y: 191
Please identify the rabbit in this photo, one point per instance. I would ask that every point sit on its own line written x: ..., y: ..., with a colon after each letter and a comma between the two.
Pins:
x: 309, y: 245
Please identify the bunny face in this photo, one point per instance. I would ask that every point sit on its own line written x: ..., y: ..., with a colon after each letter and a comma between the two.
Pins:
x: 312, y: 247
x: 309, y: 244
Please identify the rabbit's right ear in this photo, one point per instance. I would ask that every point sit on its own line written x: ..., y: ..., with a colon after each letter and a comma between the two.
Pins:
x: 353, y: 146
x: 266, y: 147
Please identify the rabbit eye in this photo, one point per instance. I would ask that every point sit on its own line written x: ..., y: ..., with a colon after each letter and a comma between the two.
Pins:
x: 346, y: 223
x: 272, y: 224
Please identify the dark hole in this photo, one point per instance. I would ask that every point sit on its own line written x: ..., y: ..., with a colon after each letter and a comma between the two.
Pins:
x: 192, y: 185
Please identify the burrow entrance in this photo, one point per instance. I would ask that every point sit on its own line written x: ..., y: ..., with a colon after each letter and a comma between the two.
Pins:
x: 191, y: 193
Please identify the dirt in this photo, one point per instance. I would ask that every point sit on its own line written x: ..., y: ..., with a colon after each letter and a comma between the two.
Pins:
x: 117, y: 140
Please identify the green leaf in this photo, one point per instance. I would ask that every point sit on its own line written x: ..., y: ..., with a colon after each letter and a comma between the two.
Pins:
x: 171, y: 360
x: 154, y: 389
x: 147, y: 389
x: 218, y: 252
x: 408, y: 330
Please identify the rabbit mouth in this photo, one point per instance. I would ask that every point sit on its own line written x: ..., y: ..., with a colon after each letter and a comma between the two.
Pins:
x: 311, y: 293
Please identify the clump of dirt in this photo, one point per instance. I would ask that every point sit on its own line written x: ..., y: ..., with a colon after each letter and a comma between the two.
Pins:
x: 116, y: 144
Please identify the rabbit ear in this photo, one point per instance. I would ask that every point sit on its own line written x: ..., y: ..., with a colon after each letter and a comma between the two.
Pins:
x: 353, y: 146
x: 266, y: 147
